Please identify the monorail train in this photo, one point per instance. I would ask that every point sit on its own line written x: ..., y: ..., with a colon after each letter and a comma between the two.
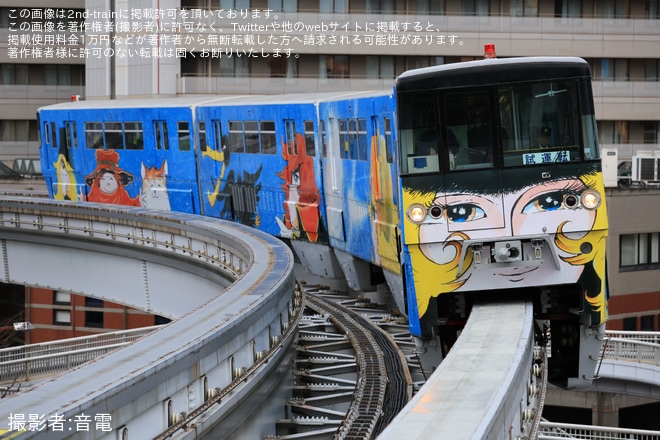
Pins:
x: 466, y: 180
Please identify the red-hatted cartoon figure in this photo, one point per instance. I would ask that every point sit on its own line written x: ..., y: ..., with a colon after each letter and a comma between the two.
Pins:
x: 107, y: 181
x: 301, y: 207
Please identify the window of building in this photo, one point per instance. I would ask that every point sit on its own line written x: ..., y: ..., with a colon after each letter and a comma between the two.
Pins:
x: 18, y: 130
x: 333, y: 6
x: 524, y: 8
x: 234, y: 4
x: 615, y: 9
x: 380, y: 6
x: 61, y: 317
x: 334, y: 66
x: 475, y: 7
x: 380, y: 66
x: 93, y: 302
x: 652, y: 9
x: 14, y: 74
x: 651, y: 70
x: 93, y: 319
x: 639, y: 251
x: 613, y: 132
x: 568, y: 8
x: 614, y: 69
x: 283, y: 5
x: 646, y: 323
x: 61, y: 297
x: 651, y: 132
x: 234, y: 67
x: 630, y: 324
x: 430, y: 7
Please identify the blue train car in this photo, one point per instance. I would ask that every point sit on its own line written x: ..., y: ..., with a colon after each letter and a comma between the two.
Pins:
x: 132, y: 152
x: 466, y: 181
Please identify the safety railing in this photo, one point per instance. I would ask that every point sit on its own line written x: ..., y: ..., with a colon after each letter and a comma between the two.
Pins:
x: 653, y: 337
x: 71, y: 344
x: 45, y: 359
x: 552, y: 431
x: 643, y: 347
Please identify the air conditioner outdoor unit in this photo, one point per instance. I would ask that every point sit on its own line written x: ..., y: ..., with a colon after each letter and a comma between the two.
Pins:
x: 646, y: 170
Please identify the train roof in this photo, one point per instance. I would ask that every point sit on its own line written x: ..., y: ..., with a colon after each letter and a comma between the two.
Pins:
x: 492, y: 71
x: 213, y: 100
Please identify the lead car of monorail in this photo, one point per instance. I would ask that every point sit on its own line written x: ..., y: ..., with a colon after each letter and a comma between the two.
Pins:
x: 464, y: 182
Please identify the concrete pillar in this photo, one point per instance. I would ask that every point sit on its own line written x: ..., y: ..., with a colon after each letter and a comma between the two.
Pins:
x: 605, y: 412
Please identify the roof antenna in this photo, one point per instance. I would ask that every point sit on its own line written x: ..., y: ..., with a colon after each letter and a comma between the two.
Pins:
x: 489, y: 51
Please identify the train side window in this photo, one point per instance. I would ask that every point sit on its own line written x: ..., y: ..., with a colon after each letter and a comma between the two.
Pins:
x: 290, y: 126
x: 388, y: 139
x: 353, y: 138
x: 217, y: 136
x: 183, y: 129
x: 267, y: 137
x: 52, y: 134
x: 251, y: 130
x: 46, y: 135
x: 94, y: 135
x: 310, y: 145
x: 201, y: 135
x: 362, y: 144
x: 133, y: 136
x: 161, y: 137
x: 343, y: 138
x: 113, y: 135
x: 236, y: 142
x: 70, y: 135
x: 324, y: 139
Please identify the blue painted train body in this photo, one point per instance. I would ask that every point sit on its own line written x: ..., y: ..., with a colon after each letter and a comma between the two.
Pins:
x: 386, y: 187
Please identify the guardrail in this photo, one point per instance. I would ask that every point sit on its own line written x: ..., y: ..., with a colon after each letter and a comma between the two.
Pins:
x: 28, y: 362
x: 220, y: 360
x: 653, y: 337
x: 632, y: 350
x: 552, y: 431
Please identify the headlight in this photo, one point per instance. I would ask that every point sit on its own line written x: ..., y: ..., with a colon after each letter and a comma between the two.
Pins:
x: 416, y: 213
x: 590, y: 199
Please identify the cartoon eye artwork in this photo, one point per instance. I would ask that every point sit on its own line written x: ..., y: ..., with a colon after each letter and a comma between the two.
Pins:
x: 464, y: 212
x: 550, y: 201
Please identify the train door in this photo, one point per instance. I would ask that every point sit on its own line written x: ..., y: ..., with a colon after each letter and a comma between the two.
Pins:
x: 332, y: 180
x: 169, y: 174
x: 48, y: 154
x: 384, y: 192
x: 213, y: 161
x: 58, y: 159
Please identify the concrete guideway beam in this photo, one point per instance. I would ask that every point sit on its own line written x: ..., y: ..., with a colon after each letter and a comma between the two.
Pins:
x: 242, y: 311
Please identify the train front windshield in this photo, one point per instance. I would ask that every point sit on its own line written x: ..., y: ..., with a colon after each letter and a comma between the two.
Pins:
x: 506, y: 125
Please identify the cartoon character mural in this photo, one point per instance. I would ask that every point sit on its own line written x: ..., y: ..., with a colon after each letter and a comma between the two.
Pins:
x: 107, y: 182
x: 240, y: 196
x: 66, y: 187
x: 154, y: 193
x: 474, y: 213
x: 302, y: 217
x: 382, y: 208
